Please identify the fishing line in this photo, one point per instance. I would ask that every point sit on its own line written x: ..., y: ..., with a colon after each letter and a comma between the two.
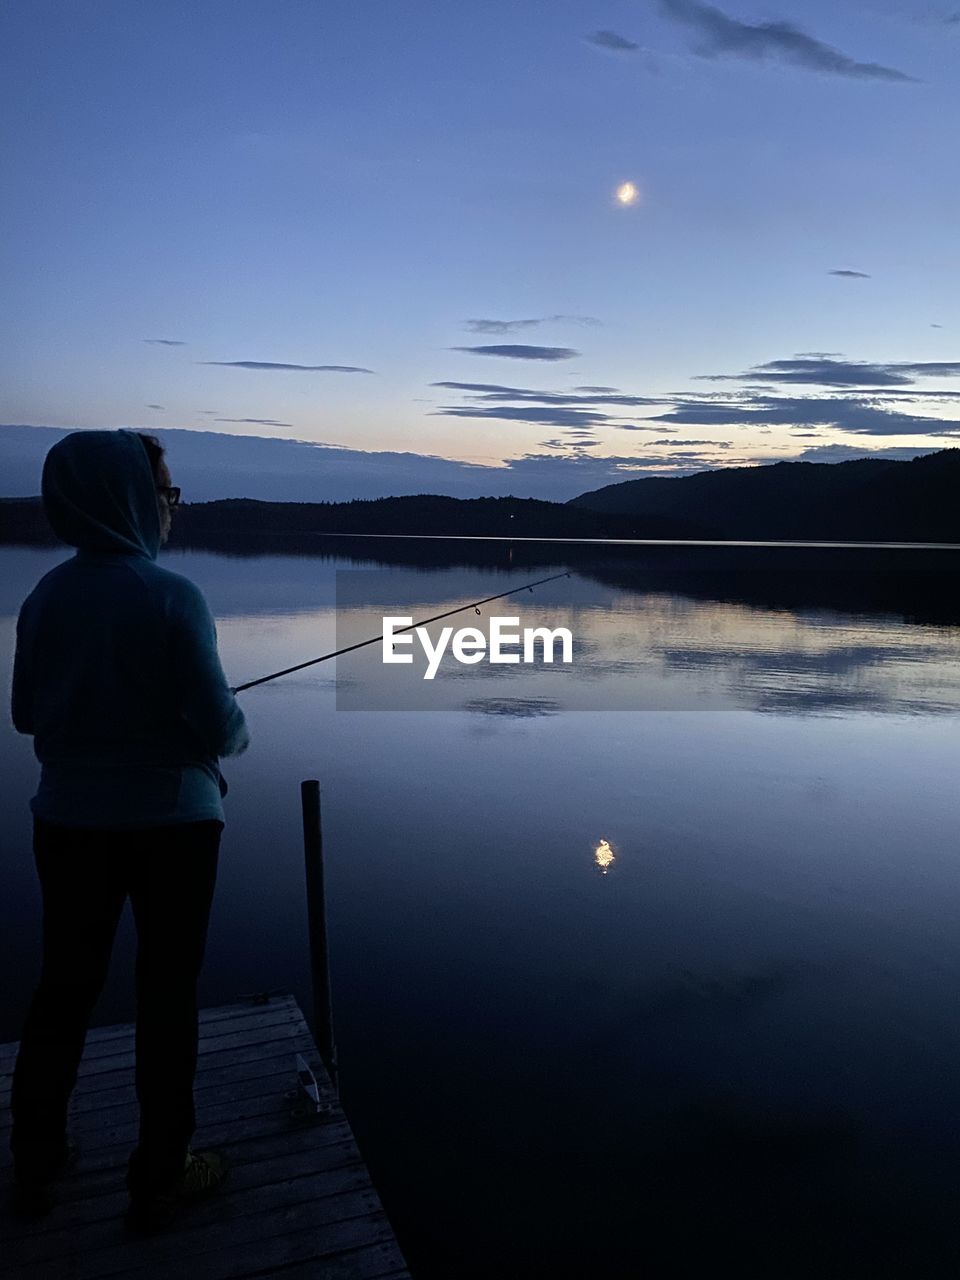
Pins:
x: 474, y: 604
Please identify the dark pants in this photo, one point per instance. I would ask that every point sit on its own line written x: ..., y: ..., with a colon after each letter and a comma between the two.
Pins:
x: 85, y: 877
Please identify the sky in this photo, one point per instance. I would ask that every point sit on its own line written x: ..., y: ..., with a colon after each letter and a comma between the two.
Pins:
x: 393, y: 226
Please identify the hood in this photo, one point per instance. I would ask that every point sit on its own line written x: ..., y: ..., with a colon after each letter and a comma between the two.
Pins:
x: 99, y: 493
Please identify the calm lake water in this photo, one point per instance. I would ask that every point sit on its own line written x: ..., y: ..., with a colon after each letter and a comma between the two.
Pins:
x: 736, y: 1042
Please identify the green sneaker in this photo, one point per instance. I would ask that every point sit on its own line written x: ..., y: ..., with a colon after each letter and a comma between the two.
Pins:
x: 204, y: 1173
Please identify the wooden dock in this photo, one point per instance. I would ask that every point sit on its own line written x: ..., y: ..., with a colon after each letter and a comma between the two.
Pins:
x: 298, y: 1202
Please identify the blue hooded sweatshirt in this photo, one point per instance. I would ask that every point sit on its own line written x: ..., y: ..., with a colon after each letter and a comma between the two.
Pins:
x: 116, y: 672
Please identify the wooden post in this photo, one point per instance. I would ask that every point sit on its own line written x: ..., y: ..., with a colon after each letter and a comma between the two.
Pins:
x: 317, y: 926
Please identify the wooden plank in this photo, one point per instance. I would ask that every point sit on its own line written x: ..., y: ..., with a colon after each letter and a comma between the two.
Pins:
x: 99, y: 1110
x: 224, y: 1219
x: 254, y: 1097
x: 382, y: 1261
x: 241, y: 1009
x: 96, y: 1197
x: 238, y: 1008
x: 238, y: 1247
x: 88, y: 1095
x: 263, y: 1137
x: 110, y: 1148
x: 112, y: 1154
x: 214, y: 1072
x: 222, y: 1033
x: 292, y: 1040
x: 299, y: 1199
x: 378, y: 1262
x: 83, y: 1193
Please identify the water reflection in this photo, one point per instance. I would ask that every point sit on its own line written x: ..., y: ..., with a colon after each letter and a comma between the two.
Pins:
x: 604, y: 857
x: 522, y: 708
x: 654, y: 650
x: 768, y: 996
x: 637, y: 645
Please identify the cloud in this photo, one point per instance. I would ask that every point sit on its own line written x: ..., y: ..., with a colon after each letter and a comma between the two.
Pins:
x: 850, y: 275
x: 695, y: 458
x: 554, y: 408
x: 843, y: 413
x: 568, y: 444
x: 517, y: 413
x: 511, y: 351
x: 638, y: 426
x: 216, y: 464
x: 610, y: 40
x: 845, y: 452
x: 723, y: 36
x: 259, y: 422
x: 165, y: 342
x: 822, y: 370
x: 512, y: 326
x: 304, y: 368
x: 158, y: 407
x: 935, y: 326
x: 598, y: 390
x: 491, y: 391
x: 714, y: 444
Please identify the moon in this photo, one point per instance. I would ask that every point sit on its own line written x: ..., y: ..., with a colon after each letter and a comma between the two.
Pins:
x: 627, y: 194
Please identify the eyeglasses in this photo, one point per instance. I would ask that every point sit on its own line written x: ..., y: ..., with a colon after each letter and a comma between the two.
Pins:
x: 171, y: 493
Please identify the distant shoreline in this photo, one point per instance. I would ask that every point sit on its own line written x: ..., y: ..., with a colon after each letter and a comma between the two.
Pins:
x: 658, y: 542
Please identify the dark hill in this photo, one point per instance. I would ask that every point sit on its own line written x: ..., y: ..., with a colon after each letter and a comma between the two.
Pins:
x: 23, y: 520
x: 424, y: 514
x: 868, y: 499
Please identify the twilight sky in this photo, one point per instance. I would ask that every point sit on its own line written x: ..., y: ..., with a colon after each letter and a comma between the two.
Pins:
x: 393, y: 226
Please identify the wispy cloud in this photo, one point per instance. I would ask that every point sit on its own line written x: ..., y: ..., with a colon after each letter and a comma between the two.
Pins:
x: 713, y: 444
x: 485, y: 392
x: 568, y: 444
x: 872, y: 399
x: 514, y: 326
x: 260, y: 422
x: 610, y: 40
x: 300, y: 368
x: 645, y: 426
x: 850, y: 275
x: 165, y: 342
x: 158, y: 407
x: 822, y: 370
x: 847, y: 452
x: 859, y: 416
x: 723, y: 36
x: 527, y: 413
x: 511, y: 351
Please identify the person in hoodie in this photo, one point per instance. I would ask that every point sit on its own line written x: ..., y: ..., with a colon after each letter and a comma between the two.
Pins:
x: 117, y: 677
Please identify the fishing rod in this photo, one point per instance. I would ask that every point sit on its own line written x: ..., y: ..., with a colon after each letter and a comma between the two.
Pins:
x: 474, y: 604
